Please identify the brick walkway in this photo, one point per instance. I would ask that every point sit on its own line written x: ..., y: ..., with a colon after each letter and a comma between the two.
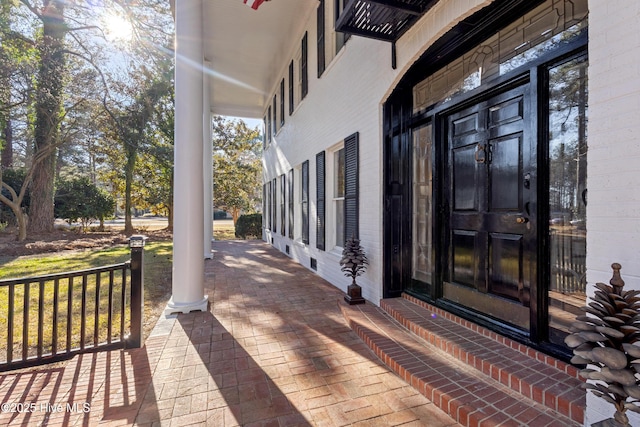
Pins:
x: 274, y: 350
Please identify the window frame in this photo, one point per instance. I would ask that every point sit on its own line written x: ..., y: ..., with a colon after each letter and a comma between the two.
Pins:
x: 283, y: 211
x: 321, y: 207
x: 340, y: 39
x: 269, y: 134
x: 336, y: 219
x: 321, y: 36
x: 304, y: 202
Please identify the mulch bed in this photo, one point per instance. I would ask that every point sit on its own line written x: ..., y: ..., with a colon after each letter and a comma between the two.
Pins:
x: 67, y: 240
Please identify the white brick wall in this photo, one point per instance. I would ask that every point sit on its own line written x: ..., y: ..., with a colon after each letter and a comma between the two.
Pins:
x: 613, y: 210
x: 349, y: 97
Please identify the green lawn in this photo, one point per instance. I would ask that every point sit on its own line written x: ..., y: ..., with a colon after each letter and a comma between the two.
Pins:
x: 158, y: 257
x: 224, y: 230
x: 158, y: 260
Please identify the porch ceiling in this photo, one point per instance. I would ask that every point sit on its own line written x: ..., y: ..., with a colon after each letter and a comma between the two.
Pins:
x: 248, y: 50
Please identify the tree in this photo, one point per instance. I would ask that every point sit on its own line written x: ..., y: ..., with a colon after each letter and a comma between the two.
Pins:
x: 155, y: 172
x: 132, y: 123
x: 79, y: 199
x: 236, y: 165
x: 54, y: 73
x: 17, y: 56
x: 48, y: 112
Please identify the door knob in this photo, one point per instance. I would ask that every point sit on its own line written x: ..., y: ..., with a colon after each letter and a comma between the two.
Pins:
x: 522, y: 220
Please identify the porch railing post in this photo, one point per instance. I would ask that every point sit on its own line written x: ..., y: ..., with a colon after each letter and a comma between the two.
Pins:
x: 136, y: 243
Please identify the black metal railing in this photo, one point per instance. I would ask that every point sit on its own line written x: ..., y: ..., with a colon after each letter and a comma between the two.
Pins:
x: 53, y: 317
x: 568, y: 262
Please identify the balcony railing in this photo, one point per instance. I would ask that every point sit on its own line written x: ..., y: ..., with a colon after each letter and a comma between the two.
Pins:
x: 53, y: 317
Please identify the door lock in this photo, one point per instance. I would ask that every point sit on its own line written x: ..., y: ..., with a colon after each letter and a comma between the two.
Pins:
x: 480, y: 154
x: 522, y: 220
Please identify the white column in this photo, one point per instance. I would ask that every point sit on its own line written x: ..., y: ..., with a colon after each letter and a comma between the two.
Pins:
x: 188, y: 263
x: 208, y: 165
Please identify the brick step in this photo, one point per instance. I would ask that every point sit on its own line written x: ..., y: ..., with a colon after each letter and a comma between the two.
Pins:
x: 467, y: 394
x: 530, y: 373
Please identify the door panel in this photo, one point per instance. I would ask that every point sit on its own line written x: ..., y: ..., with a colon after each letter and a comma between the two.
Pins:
x: 505, y: 172
x: 490, y: 223
x: 505, y: 269
x: 466, y: 179
x: 465, y: 263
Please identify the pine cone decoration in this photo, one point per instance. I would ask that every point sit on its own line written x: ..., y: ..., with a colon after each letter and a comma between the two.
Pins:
x: 605, y: 339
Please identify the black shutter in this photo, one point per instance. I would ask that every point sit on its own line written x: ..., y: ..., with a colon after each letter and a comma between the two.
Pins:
x: 320, y: 201
x: 351, y: 186
x: 269, y: 125
x: 264, y: 206
x: 274, y: 212
x: 282, y: 201
x: 275, y: 115
x: 321, y: 49
x: 303, y: 67
x: 291, y: 85
x: 305, y: 202
x: 268, y: 184
x: 291, y: 220
x: 282, y: 103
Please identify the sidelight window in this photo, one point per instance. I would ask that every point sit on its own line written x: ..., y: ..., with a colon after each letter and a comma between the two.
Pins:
x: 567, y: 193
x: 422, y: 264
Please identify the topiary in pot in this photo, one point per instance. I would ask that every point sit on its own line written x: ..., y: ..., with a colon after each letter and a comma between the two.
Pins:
x: 604, y: 339
x: 353, y: 263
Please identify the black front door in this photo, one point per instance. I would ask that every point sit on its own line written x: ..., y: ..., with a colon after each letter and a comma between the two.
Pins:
x: 490, y: 199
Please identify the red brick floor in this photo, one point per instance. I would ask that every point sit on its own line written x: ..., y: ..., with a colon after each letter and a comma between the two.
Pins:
x: 273, y: 350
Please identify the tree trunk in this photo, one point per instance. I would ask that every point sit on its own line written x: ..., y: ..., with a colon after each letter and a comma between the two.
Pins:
x: 170, y: 218
x: 15, y: 204
x: 128, y: 173
x: 6, y: 159
x: 50, y: 82
x: 21, y: 218
x: 235, y: 214
x: 170, y: 206
x: 7, y: 150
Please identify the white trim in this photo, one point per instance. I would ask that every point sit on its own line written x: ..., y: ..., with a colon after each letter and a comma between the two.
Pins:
x: 330, y: 213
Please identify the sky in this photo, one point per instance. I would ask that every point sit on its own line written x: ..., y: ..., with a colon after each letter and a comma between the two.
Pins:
x: 251, y: 123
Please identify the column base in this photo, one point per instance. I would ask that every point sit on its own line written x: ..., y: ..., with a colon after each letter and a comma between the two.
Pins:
x: 185, y: 308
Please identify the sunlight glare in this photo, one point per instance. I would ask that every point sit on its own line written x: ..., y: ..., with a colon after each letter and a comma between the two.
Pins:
x: 117, y: 26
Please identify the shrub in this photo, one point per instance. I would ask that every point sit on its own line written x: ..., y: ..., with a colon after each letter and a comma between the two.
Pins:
x: 219, y: 215
x: 79, y: 199
x: 249, y: 225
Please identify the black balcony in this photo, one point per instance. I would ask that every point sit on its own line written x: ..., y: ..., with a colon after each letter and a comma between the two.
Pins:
x: 381, y: 19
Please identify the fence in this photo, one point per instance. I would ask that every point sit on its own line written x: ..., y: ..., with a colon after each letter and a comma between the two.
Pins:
x: 53, y: 317
x: 568, y: 262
